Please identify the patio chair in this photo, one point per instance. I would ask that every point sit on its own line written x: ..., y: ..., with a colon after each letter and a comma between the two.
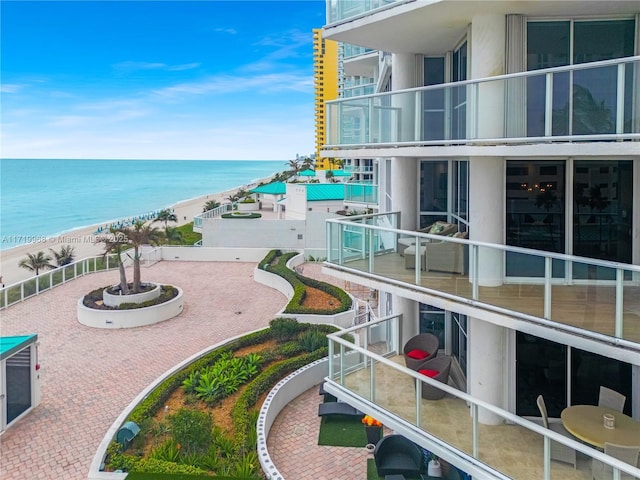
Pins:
x: 419, y: 349
x: 437, y: 228
x: 602, y: 471
x: 448, y: 257
x: 611, y: 399
x: 397, y: 455
x: 438, y: 369
x: 559, y: 452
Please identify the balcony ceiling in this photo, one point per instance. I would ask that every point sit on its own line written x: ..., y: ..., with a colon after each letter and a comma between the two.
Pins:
x: 432, y: 27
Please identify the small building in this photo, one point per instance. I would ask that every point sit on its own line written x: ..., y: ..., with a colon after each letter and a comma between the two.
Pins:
x: 19, y: 377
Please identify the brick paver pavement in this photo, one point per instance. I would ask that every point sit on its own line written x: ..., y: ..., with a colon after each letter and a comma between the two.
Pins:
x: 294, y: 450
x: 90, y: 375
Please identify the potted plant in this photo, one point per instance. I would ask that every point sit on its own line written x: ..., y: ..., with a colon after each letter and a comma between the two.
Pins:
x: 434, y: 469
x: 373, y: 429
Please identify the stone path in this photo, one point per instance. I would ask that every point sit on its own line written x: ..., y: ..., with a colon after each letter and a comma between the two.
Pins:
x: 90, y: 375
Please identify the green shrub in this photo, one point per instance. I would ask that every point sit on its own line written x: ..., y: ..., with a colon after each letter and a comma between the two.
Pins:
x: 312, y: 340
x: 168, y: 451
x: 241, y: 215
x: 192, y: 430
x: 284, y: 329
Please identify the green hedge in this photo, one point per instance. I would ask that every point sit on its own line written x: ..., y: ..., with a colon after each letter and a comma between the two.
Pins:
x: 299, y: 284
x: 242, y: 216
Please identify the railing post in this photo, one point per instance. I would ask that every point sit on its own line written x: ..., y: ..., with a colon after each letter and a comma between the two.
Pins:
x: 548, y: 106
x: 620, y: 99
x: 371, y: 247
x: 37, y: 285
x: 474, y: 430
x: 331, y: 353
x: 546, y: 457
x: 547, y: 287
x: 341, y: 228
x: 22, y: 292
x: 63, y: 275
x: 474, y: 262
x: 342, y: 364
x: 619, y: 303
x: 372, y: 382
x: 417, y: 264
x: 418, y: 401
x: 75, y: 269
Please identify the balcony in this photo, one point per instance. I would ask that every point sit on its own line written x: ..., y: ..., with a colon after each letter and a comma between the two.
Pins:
x: 362, y: 193
x: 338, y: 10
x: 366, y: 370
x: 587, y: 102
x: 593, y: 303
x: 351, y: 51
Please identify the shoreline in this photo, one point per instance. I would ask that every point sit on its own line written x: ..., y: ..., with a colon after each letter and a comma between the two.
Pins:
x: 84, y: 239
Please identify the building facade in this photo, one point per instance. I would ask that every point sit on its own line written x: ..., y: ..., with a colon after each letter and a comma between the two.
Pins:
x: 519, y: 122
x: 325, y: 81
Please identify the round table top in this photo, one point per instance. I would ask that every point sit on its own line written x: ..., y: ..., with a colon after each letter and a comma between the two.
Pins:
x: 586, y: 423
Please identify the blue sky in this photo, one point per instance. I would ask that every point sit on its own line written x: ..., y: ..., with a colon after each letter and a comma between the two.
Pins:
x: 158, y: 79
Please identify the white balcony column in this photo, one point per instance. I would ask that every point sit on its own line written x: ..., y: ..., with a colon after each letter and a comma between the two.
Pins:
x: 487, y: 357
x: 486, y: 215
x: 488, y: 57
x: 402, y: 114
x: 404, y: 190
x: 409, y: 310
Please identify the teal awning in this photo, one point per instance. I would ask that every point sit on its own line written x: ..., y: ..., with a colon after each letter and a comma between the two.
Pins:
x: 324, y: 191
x: 12, y: 345
x: 307, y: 173
x: 273, y: 188
x: 340, y: 173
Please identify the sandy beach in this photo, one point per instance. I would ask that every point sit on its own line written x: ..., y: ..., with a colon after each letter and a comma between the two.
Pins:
x: 84, y: 240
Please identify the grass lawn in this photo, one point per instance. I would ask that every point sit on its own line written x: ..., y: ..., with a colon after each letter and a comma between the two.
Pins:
x: 372, y: 473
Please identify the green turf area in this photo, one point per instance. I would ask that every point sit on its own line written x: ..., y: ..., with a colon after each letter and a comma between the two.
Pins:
x: 341, y: 432
x: 372, y: 473
x: 175, y: 476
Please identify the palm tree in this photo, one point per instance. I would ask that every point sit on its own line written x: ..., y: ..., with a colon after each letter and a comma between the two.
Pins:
x: 36, y: 262
x: 65, y: 256
x: 166, y: 216
x: 137, y: 235
x: 307, y: 164
x: 238, y: 195
x: 294, y: 166
x: 210, y: 205
x: 114, y: 243
x: 173, y: 236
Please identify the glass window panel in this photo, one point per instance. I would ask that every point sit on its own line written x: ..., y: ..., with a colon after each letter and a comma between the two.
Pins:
x: 603, y: 40
x: 432, y: 321
x: 433, y: 186
x: 535, y: 212
x: 433, y: 101
x: 541, y: 369
x: 548, y: 44
x: 603, y: 209
x: 594, y: 101
x: 18, y: 384
x: 590, y: 370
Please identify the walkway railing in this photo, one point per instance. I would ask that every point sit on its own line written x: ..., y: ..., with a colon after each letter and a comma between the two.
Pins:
x: 567, y: 287
x: 20, y: 291
x: 598, y: 102
x: 213, y: 213
x: 370, y: 392
x: 338, y: 10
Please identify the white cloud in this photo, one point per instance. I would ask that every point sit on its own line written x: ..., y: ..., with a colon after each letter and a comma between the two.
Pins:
x: 230, y: 31
x: 131, y: 66
x: 11, y: 87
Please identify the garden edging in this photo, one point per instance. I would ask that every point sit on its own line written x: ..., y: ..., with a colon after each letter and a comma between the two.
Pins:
x: 264, y: 277
x: 95, y: 472
x: 136, y: 317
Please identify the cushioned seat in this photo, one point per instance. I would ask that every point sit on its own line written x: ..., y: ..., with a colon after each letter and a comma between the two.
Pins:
x: 419, y: 349
x: 397, y: 455
x: 449, y: 257
x: 437, y: 228
x: 438, y: 369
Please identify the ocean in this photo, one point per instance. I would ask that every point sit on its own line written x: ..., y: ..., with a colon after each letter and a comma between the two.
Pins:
x: 48, y: 197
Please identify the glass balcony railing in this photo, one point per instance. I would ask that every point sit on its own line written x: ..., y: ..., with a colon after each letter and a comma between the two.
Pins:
x: 338, y: 10
x: 365, y: 368
x: 350, y: 51
x: 362, y: 192
x: 358, y: 90
x: 591, y: 101
x: 595, y: 298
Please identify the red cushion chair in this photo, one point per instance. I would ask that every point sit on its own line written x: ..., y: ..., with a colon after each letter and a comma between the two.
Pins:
x: 440, y: 365
x: 425, y: 342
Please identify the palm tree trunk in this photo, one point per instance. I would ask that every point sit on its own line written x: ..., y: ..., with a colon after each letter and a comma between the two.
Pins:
x: 136, y: 270
x: 124, y: 288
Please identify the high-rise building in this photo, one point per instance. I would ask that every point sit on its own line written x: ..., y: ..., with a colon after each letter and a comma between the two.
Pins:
x: 517, y: 123
x: 325, y: 79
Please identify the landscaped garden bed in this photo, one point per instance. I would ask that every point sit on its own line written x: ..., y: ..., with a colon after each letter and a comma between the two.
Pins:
x: 202, y: 420
x: 310, y: 296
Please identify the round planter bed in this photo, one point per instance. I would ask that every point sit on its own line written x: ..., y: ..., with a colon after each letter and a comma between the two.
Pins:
x: 136, y: 317
x: 115, y: 300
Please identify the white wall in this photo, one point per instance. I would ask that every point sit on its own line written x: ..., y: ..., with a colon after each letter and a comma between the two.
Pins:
x: 254, y: 233
x: 296, y: 201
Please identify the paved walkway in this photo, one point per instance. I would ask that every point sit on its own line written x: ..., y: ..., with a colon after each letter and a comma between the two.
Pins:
x: 90, y: 375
